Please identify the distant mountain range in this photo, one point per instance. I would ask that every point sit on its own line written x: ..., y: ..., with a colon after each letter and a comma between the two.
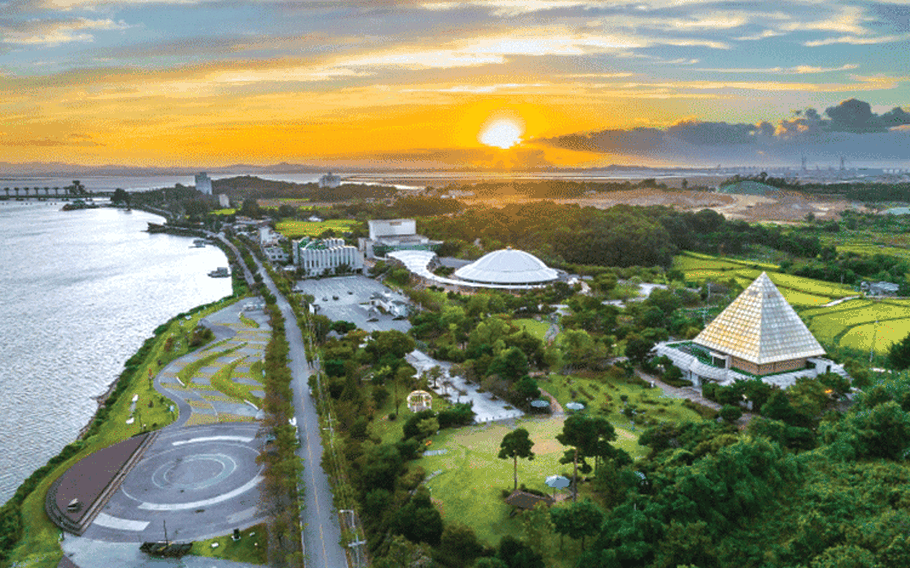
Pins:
x: 62, y: 169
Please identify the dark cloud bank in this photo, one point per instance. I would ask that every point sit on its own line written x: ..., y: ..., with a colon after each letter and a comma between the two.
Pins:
x: 849, y: 129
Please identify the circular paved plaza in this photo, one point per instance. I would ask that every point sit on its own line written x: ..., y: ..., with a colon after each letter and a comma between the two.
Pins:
x: 199, y: 481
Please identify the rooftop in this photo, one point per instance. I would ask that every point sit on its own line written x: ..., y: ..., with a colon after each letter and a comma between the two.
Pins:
x: 760, y: 327
x: 508, y: 266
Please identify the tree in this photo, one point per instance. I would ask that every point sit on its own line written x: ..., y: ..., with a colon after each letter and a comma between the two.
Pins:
x: 121, y: 196
x: 419, y: 521
x: 731, y: 413
x: 638, y: 348
x: 578, y: 520
x: 516, y: 444
x: 899, y: 354
x: 589, y: 437
x: 510, y: 365
x: 393, y: 343
x: 458, y: 546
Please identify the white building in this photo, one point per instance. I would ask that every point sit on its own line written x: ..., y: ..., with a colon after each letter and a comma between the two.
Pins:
x: 321, y: 257
x: 203, y: 183
x: 223, y: 200
x: 388, y: 235
x: 395, y: 307
x: 329, y: 180
x: 270, y: 243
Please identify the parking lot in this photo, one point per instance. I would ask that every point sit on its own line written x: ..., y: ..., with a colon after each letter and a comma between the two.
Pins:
x: 348, y: 298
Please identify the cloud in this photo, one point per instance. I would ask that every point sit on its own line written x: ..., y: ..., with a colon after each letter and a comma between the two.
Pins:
x: 849, y: 128
x: 795, y: 70
x: 81, y: 140
x: 858, y: 40
x: 55, y: 32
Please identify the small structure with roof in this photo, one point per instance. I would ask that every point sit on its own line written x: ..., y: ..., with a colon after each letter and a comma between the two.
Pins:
x: 420, y: 400
x: 757, y: 335
x: 526, y: 501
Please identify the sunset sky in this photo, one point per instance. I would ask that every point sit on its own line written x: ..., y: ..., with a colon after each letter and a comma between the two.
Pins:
x: 489, y: 84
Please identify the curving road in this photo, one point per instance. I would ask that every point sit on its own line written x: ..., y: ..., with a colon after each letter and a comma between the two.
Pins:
x: 321, y: 532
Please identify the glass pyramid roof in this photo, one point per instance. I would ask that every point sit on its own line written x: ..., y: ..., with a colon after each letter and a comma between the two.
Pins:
x: 760, y: 327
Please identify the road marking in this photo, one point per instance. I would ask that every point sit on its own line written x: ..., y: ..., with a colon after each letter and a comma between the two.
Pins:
x: 107, y: 521
x: 197, y: 504
x: 212, y: 439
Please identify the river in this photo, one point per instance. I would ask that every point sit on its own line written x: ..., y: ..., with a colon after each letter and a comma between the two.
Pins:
x: 81, y: 291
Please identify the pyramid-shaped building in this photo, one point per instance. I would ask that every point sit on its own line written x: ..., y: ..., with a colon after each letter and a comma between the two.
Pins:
x: 759, y: 333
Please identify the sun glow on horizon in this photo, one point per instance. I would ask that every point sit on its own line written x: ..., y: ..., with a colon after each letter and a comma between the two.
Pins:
x: 502, y: 133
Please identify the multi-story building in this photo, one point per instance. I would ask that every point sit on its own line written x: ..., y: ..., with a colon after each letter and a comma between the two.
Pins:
x: 203, y: 183
x: 322, y: 257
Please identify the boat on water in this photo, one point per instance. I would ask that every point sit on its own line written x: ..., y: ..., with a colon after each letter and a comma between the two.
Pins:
x: 220, y: 272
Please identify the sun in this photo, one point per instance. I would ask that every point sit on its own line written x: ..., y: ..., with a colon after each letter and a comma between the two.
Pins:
x: 502, y: 133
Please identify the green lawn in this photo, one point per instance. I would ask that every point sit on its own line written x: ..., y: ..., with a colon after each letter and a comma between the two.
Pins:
x: 251, y: 548
x: 605, y: 397
x: 294, y: 229
x: 469, y: 478
x: 536, y: 328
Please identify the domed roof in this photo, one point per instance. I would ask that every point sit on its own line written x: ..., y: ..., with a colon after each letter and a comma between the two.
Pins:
x: 507, y: 266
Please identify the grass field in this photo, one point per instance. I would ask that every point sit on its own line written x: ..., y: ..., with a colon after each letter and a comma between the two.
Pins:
x: 468, y: 478
x: 294, y: 229
x: 853, y: 324
x: 536, y: 328
x: 798, y: 291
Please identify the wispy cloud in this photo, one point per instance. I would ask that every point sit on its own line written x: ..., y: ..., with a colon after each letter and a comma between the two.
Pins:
x: 55, y: 32
x: 858, y: 40
x: 796, y: 70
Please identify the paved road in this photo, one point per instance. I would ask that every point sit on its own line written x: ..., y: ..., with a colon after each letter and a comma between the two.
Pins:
x: 321, y: 532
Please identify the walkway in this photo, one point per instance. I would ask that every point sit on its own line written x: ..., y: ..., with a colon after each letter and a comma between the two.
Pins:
x: 213, y: 466
x: 486, y: 406
x: 239, y: 346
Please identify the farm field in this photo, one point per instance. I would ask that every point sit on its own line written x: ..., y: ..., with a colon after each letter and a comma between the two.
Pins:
x: 797, y: 290
x: 853, y: 324
x: 294, y: 229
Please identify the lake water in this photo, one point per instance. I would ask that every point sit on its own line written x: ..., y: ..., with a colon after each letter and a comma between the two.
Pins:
x: 81, y: 290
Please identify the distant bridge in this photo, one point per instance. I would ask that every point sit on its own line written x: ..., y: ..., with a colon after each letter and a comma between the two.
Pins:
x: 45, y: 192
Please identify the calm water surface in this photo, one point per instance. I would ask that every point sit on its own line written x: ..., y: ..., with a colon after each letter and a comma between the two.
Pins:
x: 81, y: 291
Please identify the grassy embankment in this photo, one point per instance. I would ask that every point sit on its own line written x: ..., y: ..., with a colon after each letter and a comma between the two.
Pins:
x: 294, y: 229
x: 860, y: 324
x: 39, y: 547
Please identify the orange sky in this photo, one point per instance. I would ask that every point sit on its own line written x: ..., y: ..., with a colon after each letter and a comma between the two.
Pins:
x: 408, y: 84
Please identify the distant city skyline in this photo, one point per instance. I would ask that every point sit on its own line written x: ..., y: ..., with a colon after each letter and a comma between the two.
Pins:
x: 487, y: 84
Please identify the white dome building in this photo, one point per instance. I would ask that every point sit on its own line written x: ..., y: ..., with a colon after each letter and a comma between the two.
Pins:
x: 508, y: 267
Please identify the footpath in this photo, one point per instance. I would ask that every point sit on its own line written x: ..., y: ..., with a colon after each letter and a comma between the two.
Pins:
x: 208, y: 394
